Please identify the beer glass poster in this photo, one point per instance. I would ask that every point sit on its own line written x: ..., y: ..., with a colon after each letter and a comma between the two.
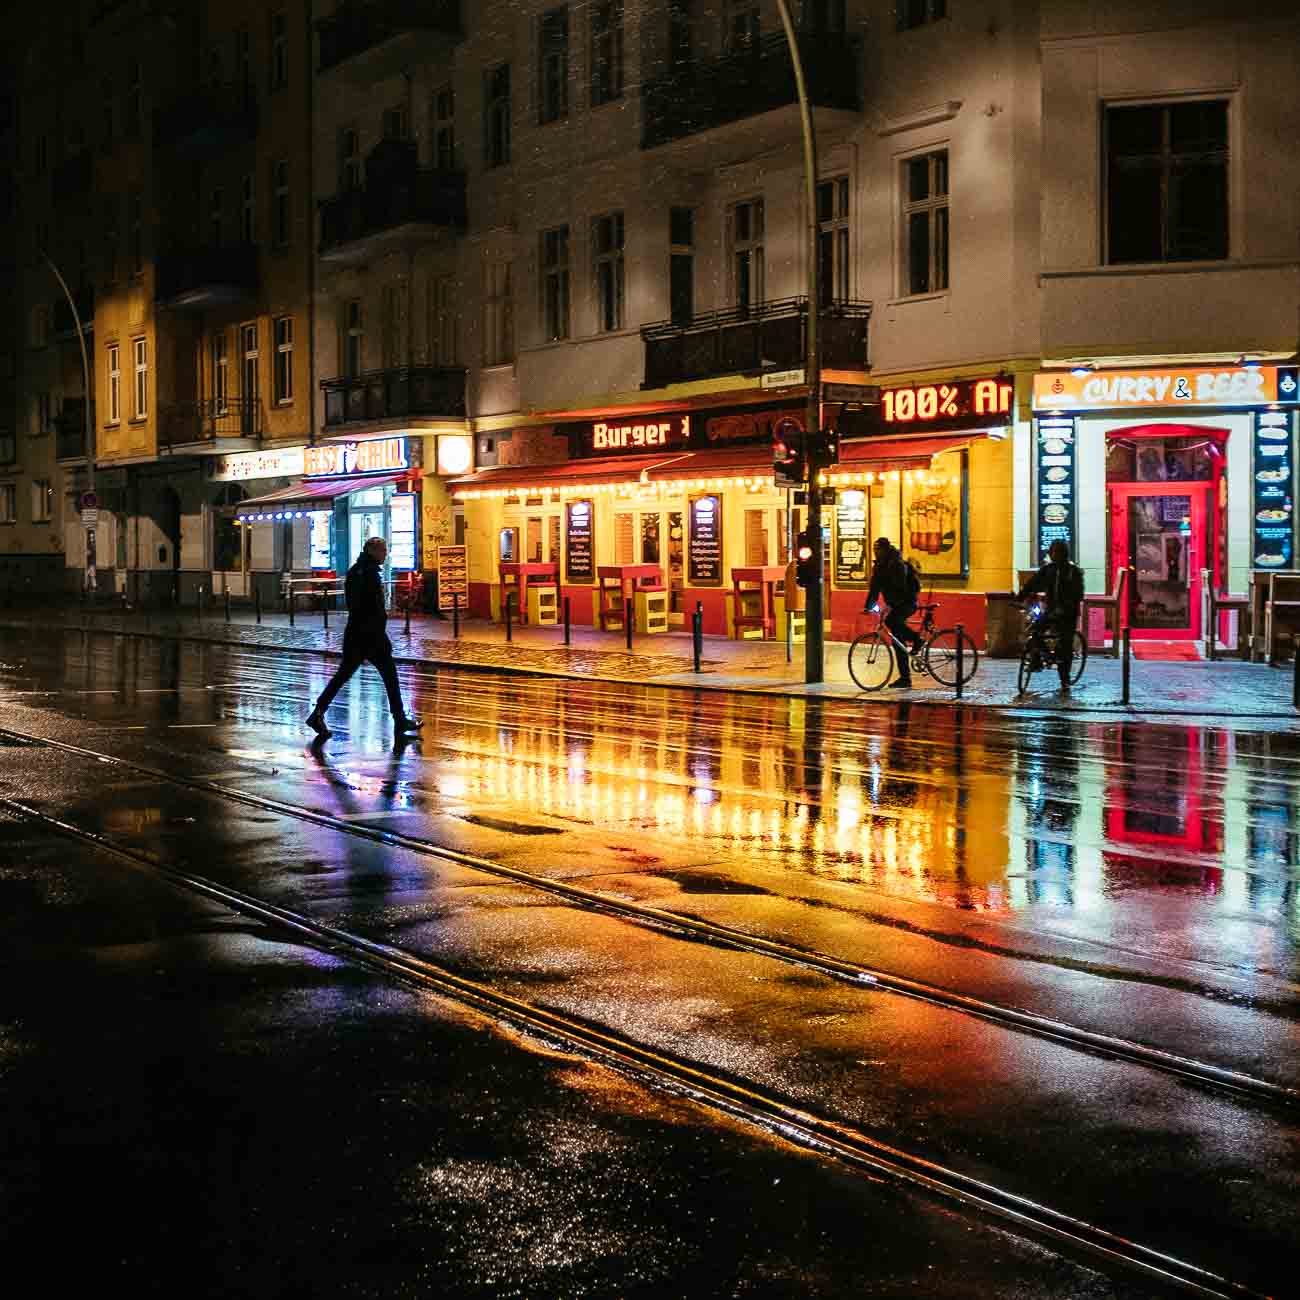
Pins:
x: 934, y: 517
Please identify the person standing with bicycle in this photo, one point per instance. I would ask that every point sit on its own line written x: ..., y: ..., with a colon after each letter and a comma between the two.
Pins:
x: 1060, y: 583
x: 895, y: 579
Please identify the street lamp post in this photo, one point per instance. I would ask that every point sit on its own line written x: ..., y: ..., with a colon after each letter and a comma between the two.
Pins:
x: 814, y: 442
x: 90, y: 579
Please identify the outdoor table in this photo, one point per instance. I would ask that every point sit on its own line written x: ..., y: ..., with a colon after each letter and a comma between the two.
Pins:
x: 762, y: 579
x: 319, y: 585
x: 624, y: 580
x: 516, y: 577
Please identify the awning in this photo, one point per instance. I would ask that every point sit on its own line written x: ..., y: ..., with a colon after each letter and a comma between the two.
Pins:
x: 901, y: 453
x: 312, y: 494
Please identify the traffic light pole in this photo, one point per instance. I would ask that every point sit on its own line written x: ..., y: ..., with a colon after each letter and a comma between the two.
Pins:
x: 814, y: 440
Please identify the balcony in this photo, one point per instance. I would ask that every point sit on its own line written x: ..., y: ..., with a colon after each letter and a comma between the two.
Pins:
x: 206, y: 122
x: 70, y: 429
x: 769, y: 336
x: 746, y: 101
x: 403, y: 393
x: 62, y: 323
x: 73, y: 177
x: 196, y: 279
x: 371, y: 39
x: 211, y: 424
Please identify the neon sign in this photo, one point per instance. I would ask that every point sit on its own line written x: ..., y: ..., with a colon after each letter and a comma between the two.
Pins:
x: 959, y: 400
x: 631, y: 434
x: 341, y: 458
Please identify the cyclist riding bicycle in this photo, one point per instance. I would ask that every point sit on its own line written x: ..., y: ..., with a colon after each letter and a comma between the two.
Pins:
x: 1060, y: 583
x: 895, y: 579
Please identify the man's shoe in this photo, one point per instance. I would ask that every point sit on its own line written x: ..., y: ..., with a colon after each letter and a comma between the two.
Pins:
x: 317, y: 724
x: 404, y: 725
x: 903, y: 683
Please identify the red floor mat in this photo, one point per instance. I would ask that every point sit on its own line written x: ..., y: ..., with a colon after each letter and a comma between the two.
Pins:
x: 1169, y: 651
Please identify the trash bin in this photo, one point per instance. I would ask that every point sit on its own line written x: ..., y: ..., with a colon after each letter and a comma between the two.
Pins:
x: 1004, y: 626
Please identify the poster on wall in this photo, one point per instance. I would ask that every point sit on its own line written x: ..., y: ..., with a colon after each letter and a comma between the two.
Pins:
x: 1055, y: 479
x: 934, y: 518
x: 704, y: 555
x: 852, y: 563
x: 579, y: 554
x: 1274, y: 499
x: 453, y: 576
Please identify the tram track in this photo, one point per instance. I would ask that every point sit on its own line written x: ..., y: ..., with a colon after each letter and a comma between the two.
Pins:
x: 1188, y: 1069
x: 738, y: 1098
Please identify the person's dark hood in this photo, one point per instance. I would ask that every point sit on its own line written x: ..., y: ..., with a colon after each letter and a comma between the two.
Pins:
x: 366, y: 558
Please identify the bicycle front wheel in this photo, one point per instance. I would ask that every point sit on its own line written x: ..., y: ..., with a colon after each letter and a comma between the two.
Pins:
x: 1026, y: 668
x: 871, y: 662
x: 941, y: 656
x: 1080, y: 657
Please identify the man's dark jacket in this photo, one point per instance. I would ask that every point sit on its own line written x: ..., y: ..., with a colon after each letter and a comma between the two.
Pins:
x: 367, y: 617
x: 889, y: 578
x: 1060, y: 584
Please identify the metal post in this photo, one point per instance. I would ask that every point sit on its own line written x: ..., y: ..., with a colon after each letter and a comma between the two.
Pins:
x: 789, y: 634
x: 257, y: 602
x: 227, y: 600
x: 290, y: 606
x: 697, y: 633
x: 408, y: 614
x: 961, y: 667
x: 325, y: 611
x: 628, y: 607
x: 1295, y: 683
x: 1124, y: 669
x: 510, y: 598
x: 568, y: 636
x: 455, y: 615
x: 198, y: 606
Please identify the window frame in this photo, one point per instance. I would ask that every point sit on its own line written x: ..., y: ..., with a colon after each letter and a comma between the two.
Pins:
x: 354, y: 338
x: 42, y: 500
x: 219, y: 353
x: 681, y: 254
x: 553, y: 65
x: 140, y: 377
x: 281, y: 209
x: 496, y: 116
x: 279, y: 62
x: 350, y: 167
x: 113, y: 362
x: 250, y: 363
x: 608, y: 271
x: 555, y: 296
x: 282, y: 379
x: 754, y: 247
x: 499, y: 343
x: 932, y: 205
x: 911, y: 14
x: 8, y: 503
x: 605, y: 24
x: 833, y: 231
x: 442, y: 127
x: 248, y: 209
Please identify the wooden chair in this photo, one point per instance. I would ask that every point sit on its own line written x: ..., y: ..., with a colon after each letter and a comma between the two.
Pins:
x: 1213, y: 604
x: 1281, y: 610
x: 1109, y: 603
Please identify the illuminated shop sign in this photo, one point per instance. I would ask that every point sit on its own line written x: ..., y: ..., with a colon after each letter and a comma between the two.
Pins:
x: 1101, y: 390
x: 1055, y: 481
x: 243, y: 465
x: 1275, y: 487
x: 947, y: 407
x: 342, y: 458
x: 628, y: 433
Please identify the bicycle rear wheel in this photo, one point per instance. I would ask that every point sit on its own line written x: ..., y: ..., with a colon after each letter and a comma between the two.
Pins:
x: 871, y: 661
x: 1080, y: 657
x: 941, y: 656
x: 1026, y: 667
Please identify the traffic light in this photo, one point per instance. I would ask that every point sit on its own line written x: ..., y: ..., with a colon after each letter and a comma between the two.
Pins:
x: 805, y: 567
x: 831, y: 447
x: 789, y: 465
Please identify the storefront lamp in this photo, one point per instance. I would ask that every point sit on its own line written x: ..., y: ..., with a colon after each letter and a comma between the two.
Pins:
x: 455, y: 453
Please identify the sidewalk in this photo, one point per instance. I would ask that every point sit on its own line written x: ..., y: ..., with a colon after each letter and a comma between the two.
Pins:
x: 1224, y: 689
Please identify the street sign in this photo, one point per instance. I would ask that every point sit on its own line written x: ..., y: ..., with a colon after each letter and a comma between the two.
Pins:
x: 89, y: 501
x: 782, y: 379
x: 89, y: 518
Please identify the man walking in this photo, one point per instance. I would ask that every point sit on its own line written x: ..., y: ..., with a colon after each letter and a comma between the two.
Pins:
x: 1060, y: 583
x: 896, y: 580
x: 364, y: 638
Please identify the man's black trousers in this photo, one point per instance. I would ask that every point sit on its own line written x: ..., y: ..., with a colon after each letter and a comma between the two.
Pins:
x: 381, y: 655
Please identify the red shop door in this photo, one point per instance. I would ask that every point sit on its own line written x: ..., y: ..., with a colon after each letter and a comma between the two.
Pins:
x: 1162, y: 532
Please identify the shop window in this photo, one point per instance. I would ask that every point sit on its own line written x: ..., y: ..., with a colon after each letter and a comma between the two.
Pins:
x: 496, y: 116
x: 606, y: 52
x: 555, y: 283
x: 444, y: 128
x: 925, y: 223
x: 625, y: 539
x: 676, y: 559
x: 1161, y: 460
x: 553, y: 537
x: 534, y: 538
x: 553, y: 65
x: 748, y: 268
x: 916, y: 13
x: 650, y: 541
x: 833, y: 240
x: 507, y: 545
x: 681, y: 264
x: 228, y: 537
x: 320, y: 549
x: 757, y: 547
x: 1167, y: 182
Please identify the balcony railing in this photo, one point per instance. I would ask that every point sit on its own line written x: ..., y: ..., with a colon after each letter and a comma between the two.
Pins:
x: 70, y: 429
x: 395, y: 394
x: 73, y: 177
x: 206, y: 121
x: 208, y: 419
x: 199, y: 278
x: 63, y: 324
x: 360, y: 25
x: 708, y: 93
x: 416, y: 197
x: 767, y: 336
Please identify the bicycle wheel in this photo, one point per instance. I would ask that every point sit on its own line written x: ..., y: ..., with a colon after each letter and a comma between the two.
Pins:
x: 1026, y: 668
x: 1080, y: 657
x: 941, y: 657
x: 871, y: 662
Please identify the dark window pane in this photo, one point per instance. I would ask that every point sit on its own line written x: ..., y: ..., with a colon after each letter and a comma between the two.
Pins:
x: 681, y: 227
x: 825, y: 201
x: 682, y: 288
x: 940, y: 250
x: 918, y: 179
x: 744, y: 287
x: 742, y: 222
x: 1198, y: 128
x: 1133, y: 132
x: 1133, y: 217
x: 1198, y: 213
x: 825, y: 265
x: 918, y: 253
x: 940, y: 177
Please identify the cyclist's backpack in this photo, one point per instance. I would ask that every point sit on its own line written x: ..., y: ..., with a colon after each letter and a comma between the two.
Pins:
x: 911, y: 580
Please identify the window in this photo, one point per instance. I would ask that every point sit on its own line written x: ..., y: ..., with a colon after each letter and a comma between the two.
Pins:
x: 390, y: 327
x: 498, y: 315
x: 134, y: 98
x: 606, y: 52
x: 681, y: 34
x: 279, y: 50
x: 833, y: 240
x: 607, y: 260
x: 444, y: 349
x: 220, y: 373
x: 444, y: 128
x: 8, y: 503
x: 497, y: 116
x: 42, y: 413
x: 349, y: 159
x: 353, y: 339
x: 135, y: 233
x: 553, y: 66
x: 1167, y: 182
x: 140, y: 353
x: 8, y: 449
x: 395, y: 124
x: 114, y: 383
x: 916, y: 13
x: 555, y: 283
x: 216, y: 215
x: 284, y: 359
x: 925, y: 223
x: 681, y: 264
x: 42, y: 500
x: 747, y: 262
x: 280, y: 203
x: 248, y: 210
x: 741, y: 26
x: 250, y: 375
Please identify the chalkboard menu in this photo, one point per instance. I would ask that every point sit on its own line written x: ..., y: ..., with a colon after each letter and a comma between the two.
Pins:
x: 704, y: 557
x: 1056, y: 479
x: 579, y: 552
x: 851, y: 567
x: 453, y: 576
x: 1274, y: 478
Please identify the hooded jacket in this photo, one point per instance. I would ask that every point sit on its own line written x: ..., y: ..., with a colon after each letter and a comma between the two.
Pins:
x: 367, y: 617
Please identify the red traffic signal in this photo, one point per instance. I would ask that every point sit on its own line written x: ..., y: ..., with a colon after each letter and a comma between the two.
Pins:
x: 789, y: 465
x: 805, y: 567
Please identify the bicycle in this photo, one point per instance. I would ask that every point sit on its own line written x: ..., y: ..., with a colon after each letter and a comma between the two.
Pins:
x: 1041, y: 646
x: 872, y: 654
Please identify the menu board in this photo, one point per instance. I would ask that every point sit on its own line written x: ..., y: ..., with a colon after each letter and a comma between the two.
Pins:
x: 851, y: 567
x: 579, y: 551
x: 453, y: 576
x: 704, y: 555
x: 1274, y: 502
x: 1056, y: 479
x: 401, y: 514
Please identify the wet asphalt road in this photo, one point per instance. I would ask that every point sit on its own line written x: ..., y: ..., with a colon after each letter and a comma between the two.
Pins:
x: 299, y: 1125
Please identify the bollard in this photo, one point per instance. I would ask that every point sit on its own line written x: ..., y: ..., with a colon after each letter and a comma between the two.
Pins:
x: 697, y: 633
x: 291, y: 607
x: 1124, y: 669
x: 198, y: 606
x: 227, y: 598
x: 961, y: 667
x: 789, y: 636
x: 455, y: 615
x: 567, y: 633
x: 257, y: 602
x: 407, y: 624
x: 510, y: 600
x: 325, y: 611
x: 1295, y: 682
x: 628, y: 607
